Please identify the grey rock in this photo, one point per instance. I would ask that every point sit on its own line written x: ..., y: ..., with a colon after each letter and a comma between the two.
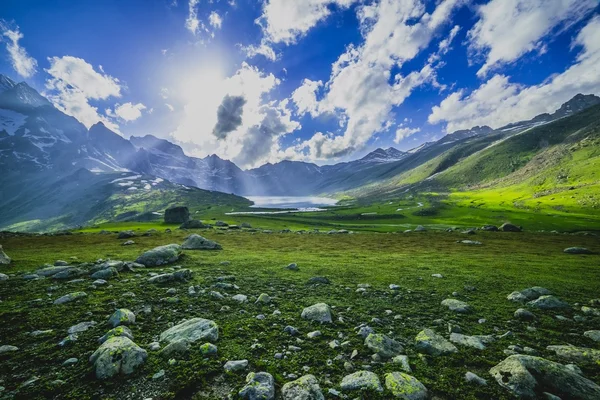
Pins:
x: 319, y: 280
x: 384, y: 346
x: 177, y: 215
x: 576, y: 354
x: 4, y: 259
x: 4, y: 349
x: 197, y: 242
x: 160, y: 255
x: 405, y: 387
x: 594, y: 335
x: 548, y: 303
x: 70, y: 361
x: 361, y: 380
x: 118, y: 355
x: 192, y: 330
x: 3, y: 277
x: 105, y: 274
x: 115, y: 332
x: 182, y: 275
x: 259, y: 386
x: 126, y: 234
x: 469, y: 341
x: 507, y: 227
x: 457, y: 306
x: 577, y: 250
x: 70, y: 297
x: 304, y: 388
x: 429, y: 342
x: 235, y: 365
x: 472, y: 378
x: 319, y: 312
x: 263, y: 299
x: 292, y: 267
x: 524, y: 315
x: 121, y: 316
x: 81, y: 327
x: 240, y: 298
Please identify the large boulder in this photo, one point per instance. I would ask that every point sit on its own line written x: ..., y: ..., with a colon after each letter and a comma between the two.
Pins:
x: 191, y: 331
x: 429, y: 342
x: 577, y: 250
x: 177, y: 215
x: 197, y: 242
x: 405, y: 387
x: 384, y: 346
x: 122, y: 316
x: 259, y: 386
x: 304, y: 388
x: 182, y: 275
x: 51, y: 271
x: 527, y: 377
x: 117, y: 355
x: 548, y: 303
x: 4, y: 259
x: 193, y: 224
x: 457, y: 306
x: 508, y: 227
x: 105, y: 274
x: 319, y: 312
x: 576, y: 354
x: 160, y: 255
x: 361, y: 380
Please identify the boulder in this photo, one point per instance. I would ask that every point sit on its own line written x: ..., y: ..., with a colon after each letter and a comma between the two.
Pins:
x: 528, y: 376
x: 105, y: 273
x: 70, y: 297
x: 126, y: 234
x: 50, y: 271
x: 384, y: 346
x: 259, y: 386
x: 3, y: 277
x: 181, y: 275
x: 304, y: 388
x: 321, y: 280
x: 191, y: 331
x: 81, y: 327
x: 235, y: 365
x: 197, y: 242
x: 7, y: 348
x: 476, y: 342
x: 116, y: 332
x: 319, y: 312
x: 548, y: 303
x: 490, y: 228
x: 577, y: 250
x: 361, y: 380
x: 524, y: 315
x: 429, y: 342
x: 177, y: 215
x: 457, y: 306
x: 193, y: 224
x: 594, y: 335
x: 160, y: 255
x: 68, y: 273
x: 4, y: 259
x: 576, y: 354
x: 122, y: 316
x: 117, y: 355
x: 508, y: 227
x: 404, y: 386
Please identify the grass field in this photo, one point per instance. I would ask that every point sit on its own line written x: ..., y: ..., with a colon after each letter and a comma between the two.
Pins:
x: 257, y: 260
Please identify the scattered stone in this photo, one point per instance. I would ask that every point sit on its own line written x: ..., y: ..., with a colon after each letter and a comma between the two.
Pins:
x: 590, y: 311
x: 99, y: 282
x: 4, y: 259
x: 128, y: 243
x: 70, y: 297
x: 208, y: 349
x: 259, y: 386
x: 507, y: 227
x: 472, y: 378
x: 8, y: 349
x: 3, y: 277
x: 197, y: 242
x: 263, y: 298
x: 122, y: 316
x: 526, y: 376
x: 439, y: 276
x: 548, y: 303
x: 116, y: 332
x: 304, y: 388
x: 177, y: 215
x: 240, y: 298
x: 577, y: 250
x: 81, y: 327
x: 292, y: 267
x: 476, y: 342
x: 182, y: 275
x: 159, y: 375
x: 70, y: 361
x: 361, y: 380
x: 471, y: 242
x: 383, y: 346
x: 594, y: 335
x: 118, y: 355
x: 576, y: 354
x: 124, y: 235
x: 405, y: 387
x: 105, y: 274
x: 160, y: 255
x: 524, y: 315
x: 319, y: 312
x: 192, y: 330
x: 429, y: 342
x: 319, y: 280
x: 314, y: 334
x: 291, y: 330
x: 194, y: 224
x: 490, y: 228
x: 457, y: 306
x: 420, y: 228
x: 234, y: 366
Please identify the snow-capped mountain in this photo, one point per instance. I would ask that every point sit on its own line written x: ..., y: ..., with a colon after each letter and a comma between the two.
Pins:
x: 384, y: 155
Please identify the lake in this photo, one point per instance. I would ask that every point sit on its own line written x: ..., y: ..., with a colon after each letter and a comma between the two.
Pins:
x: 298, y: 202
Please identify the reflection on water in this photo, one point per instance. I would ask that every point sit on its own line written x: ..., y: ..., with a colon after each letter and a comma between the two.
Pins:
x: 291, y: 201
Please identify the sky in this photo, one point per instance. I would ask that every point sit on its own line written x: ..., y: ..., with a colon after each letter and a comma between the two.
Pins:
x: 323, y: 81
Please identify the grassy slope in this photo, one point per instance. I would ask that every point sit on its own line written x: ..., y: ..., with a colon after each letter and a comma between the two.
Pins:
x: 497, y: 268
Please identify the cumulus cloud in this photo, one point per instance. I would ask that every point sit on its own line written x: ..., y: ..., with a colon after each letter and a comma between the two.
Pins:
x: 229, y: 115
x: 214, y: 19
x: 23, y: 63
x: 73, y: 82
x: 196, y: 25
x: 127, y: 111
x: 508, y: 29
x: 404, y: 132
x: 361, y: 89
x: 499, y: 101
x: 263, y: 49
x: 305, y: 97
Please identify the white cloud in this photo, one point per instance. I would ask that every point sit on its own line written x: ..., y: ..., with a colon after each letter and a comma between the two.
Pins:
x: 214, y: 19
x: 361, y: 89
x: 263, y: 123
x: 192, y: 23
x: 263, y: 49
x: 284, y: 21
x: 498, y: 101
x: 127, y: 111
x: 170, y: 107
x: 305, y: 97
x: 508, y: 29
x: 23, y: 63
x: 404, y: 132
x: 73, y: 82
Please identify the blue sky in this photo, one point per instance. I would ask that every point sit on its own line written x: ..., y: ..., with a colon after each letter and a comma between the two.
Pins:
x: 316, y: 80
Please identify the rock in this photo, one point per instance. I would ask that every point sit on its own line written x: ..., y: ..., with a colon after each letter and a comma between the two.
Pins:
x: 192, y: 330
x: 507, y: 227
x: 405, y: 387
x: 81, y: 327
x: 118, y: 355
x: 303, y: 388
x: 490, y: 228
x: 590, y: 311
x: 234, y: 366
x: 128, y: 243
x: 291, y: 330
x: 70, y: 361
x: 60, y: 263
x: 197, y: 242
x: 524, y: 315
x: 68, y: 273
x: 292, y: 267
x: 177, y: 215
x: 472, y: 378
x: 105, y: 273
x: 159, y: 375
x: 259, y: 386
x: 594, y: 335
x: 361, y: 380
x: 160, y: 255
x: 221, y: 224
x: 99, y: 282
x: 208, y: 349
x: 116, y: 332
x: 4, y: 259
x: 420, y: 228
x: 313, y: 334
x: 126, y: 234
x: 384, y: 346
x: 319, y: 312
x: 3, y: 277
x: 470, y: 242
x: 319, y: 280
x: 548, y: 303
x: 577, y: 250
x: 182, y: 275
x: 429, y: 342
x: 526, y: 376
x: 121, y: 317
x: 4, y: 349
x: 70, y: 297
x: 457, y: 306
x: 175, y: 349
x: 475, y: 342
x: 263, y: 299
x: 240, y: 298
x: 576, y: 354
x: 194, y: 224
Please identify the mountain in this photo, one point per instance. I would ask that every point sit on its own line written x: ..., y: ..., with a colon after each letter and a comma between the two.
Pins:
x: 381, y: 155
